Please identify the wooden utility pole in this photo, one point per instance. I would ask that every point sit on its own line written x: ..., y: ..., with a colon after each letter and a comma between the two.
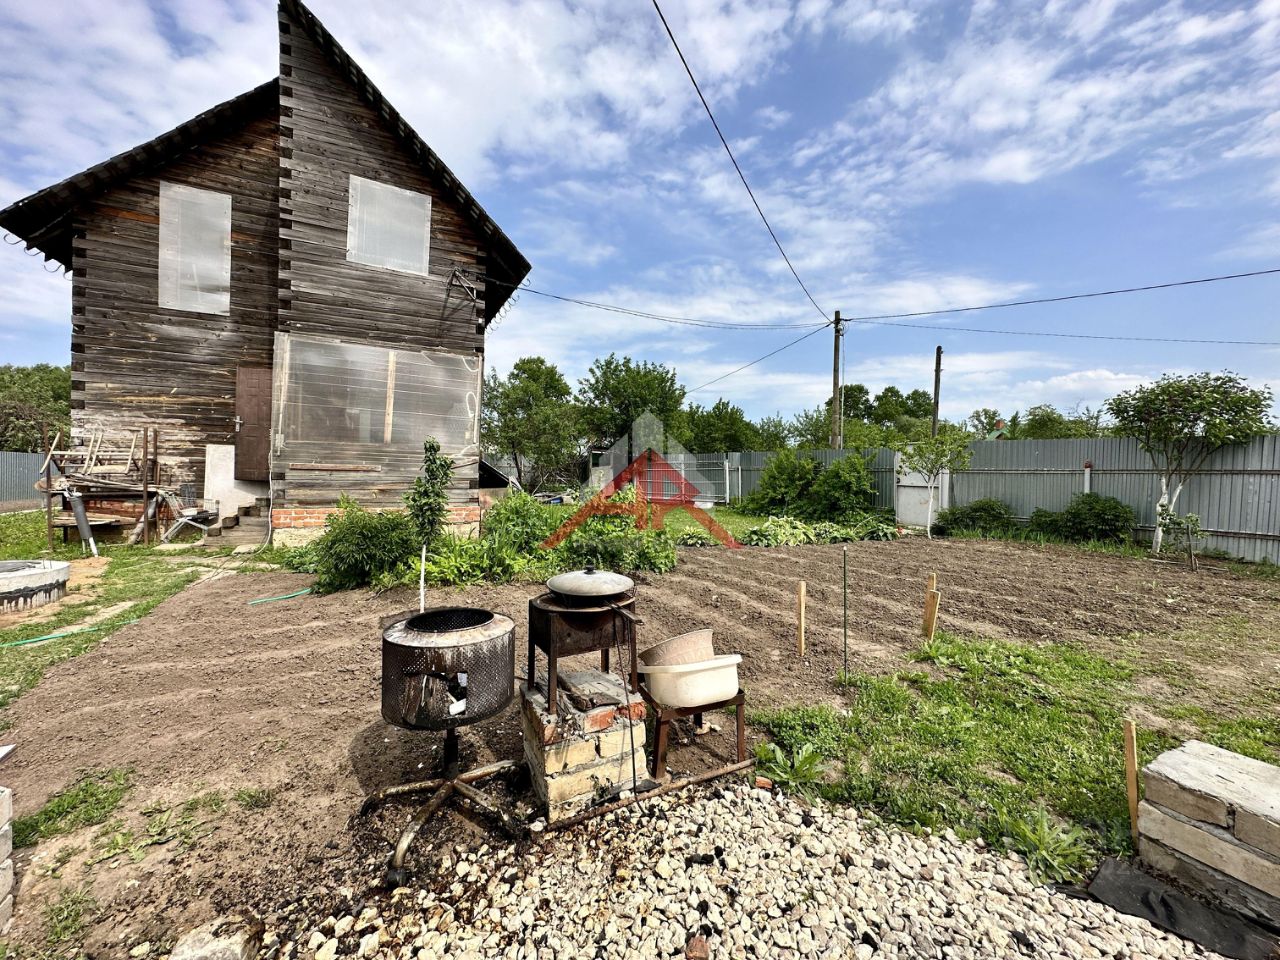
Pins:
x: 837, y: 400
x: 937, y: 386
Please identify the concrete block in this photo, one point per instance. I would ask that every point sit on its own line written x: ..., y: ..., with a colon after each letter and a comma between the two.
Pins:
x: 1197, y: 774
x: 1193, y: 804
x: 1212, y: 884
x: 1258, y: 831
x: 589, y: 781
x: 621, y: 738
x: 561, y: 754
x: 6, y: 877
x: 6, y: 805
x: 543, y: 727
x: 1211, y: 846
x: 6, y: 841
x: 6, y: 912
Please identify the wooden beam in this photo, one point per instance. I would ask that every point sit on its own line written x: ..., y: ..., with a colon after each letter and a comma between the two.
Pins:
x: 801, y: 591
x: 391, y: 397
x: 932, y: 599
x: 1131, y: 776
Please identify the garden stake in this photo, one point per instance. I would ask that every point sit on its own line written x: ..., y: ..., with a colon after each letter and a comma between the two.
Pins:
x: 800, y: 593
x: 932, y: 599
x: 931, y: 584
x: 846, y: 612
x: 1131, y: 776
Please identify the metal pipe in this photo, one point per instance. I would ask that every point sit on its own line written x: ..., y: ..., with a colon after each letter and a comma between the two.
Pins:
x: 669, y: 788
x: 420, y: 786
x: 422, y: 816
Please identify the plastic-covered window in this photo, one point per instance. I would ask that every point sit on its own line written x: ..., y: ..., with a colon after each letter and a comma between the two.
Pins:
x: 388, y: 226
x: 331, y: 394
x: 195, y: 249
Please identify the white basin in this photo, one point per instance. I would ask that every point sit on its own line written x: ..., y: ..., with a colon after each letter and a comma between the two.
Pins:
x: 693, y: 684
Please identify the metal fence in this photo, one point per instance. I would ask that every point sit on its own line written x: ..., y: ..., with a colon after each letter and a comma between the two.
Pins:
x: 1236, y: 496
x: 18, y: 474
x: 748, y: 466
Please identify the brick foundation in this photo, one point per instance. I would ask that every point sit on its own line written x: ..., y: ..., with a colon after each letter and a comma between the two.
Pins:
x: 578, y: 758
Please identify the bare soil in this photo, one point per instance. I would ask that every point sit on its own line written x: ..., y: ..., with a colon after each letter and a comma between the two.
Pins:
x: 209, y: 693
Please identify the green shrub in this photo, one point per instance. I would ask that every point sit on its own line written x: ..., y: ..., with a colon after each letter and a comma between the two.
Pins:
x: 778, y: 532
x: 1089, y: 517
x: 784, y: 486
x: 869, y: 526
x: 844, y: 489
x: 696, y: 537
x: 359, y: 547
x: 521, y: 520
x: 628, y: 551
x: 988, y: 515
x: 427, y: 501
x: 801, y: 773
x: 300, y: 559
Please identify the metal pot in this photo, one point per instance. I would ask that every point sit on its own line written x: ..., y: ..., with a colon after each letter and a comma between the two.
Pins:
x: 591, y: 588
x: 446, y: 667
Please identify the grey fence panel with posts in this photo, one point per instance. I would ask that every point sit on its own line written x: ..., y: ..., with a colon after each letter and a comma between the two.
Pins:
x: 18, y: 474
x: 1237, y: 496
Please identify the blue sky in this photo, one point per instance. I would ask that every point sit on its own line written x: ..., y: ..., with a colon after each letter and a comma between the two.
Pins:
x: 912, y: 155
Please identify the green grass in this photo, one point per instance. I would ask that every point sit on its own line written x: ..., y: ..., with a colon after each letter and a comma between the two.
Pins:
x: 22, y: 537
x: 64, y: 918
x: 134, y: 575
x: 677, y: 521
x: 253, y: 799
x: 89, y: 801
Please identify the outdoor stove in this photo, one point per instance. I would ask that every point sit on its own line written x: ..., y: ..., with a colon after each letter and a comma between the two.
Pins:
x: 444, y: 668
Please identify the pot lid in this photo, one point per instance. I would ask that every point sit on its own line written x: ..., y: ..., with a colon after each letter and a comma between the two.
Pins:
x: 590, y: 583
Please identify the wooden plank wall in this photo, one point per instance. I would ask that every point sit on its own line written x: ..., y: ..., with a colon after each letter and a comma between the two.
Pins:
x: 328, y: 132
x: 134, y: 364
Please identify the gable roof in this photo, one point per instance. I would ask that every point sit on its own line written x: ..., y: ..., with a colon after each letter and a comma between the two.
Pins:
x: 43, y: 219
x: 506, y: 265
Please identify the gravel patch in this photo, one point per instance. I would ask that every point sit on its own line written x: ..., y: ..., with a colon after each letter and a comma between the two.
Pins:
x: 752, y: 873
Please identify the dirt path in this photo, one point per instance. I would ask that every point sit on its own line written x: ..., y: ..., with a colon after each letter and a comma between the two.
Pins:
x: 211, y: 694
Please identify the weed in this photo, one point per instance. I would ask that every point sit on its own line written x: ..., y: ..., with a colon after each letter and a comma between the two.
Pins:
x: 87, y: 802
x: 254, y: 798
x: 64, y: 918
x: 1054, y: 850
x: 799, y: 773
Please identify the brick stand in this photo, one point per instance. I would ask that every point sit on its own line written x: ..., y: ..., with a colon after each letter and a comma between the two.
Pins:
x: 1211, y: 819
x: 577, y: 757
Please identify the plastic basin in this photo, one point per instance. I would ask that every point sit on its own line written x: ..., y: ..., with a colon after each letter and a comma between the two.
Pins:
x: 693, y: 684
x: 691, y: 647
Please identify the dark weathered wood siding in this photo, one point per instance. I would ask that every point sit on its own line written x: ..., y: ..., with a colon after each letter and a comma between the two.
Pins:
x: 329, y: 132
x: 135, y: 364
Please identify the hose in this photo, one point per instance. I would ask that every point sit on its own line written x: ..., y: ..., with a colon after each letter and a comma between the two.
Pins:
x: 65, y: 633
x: 286, y: 596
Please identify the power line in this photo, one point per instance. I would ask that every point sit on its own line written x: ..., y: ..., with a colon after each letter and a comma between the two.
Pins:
x: 771, y: 353
x: 1062, y: 299
x: 687, y: 321
x: 741, y: 176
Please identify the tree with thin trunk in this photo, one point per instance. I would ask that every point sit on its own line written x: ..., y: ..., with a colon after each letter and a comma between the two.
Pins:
x: 931, y: 458
x: 1182, y: 421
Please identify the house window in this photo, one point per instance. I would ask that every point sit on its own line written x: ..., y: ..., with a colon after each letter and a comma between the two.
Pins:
x: 195, y: 249
x: 388, y: 226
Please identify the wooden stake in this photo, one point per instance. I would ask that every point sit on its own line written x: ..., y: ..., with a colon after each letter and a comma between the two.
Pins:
x: 800, y: 596
x: 931, y: 601
x: 1131, y: 776
x: 931, y: 584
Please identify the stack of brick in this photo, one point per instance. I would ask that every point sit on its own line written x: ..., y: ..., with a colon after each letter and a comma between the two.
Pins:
x: 1211, y: 820
x: 579, y: 757
x: 6, y: 857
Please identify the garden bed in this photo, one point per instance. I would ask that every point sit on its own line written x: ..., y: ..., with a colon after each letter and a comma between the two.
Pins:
x: 251, y: 733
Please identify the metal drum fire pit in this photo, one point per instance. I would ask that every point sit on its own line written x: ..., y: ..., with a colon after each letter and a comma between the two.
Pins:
x: 444, y: 668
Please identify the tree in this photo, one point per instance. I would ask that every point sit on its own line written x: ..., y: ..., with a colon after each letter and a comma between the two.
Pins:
x: 616, y: 391
x: 983, y: 421
x: 919, y: 405
x: 771, y: 432
x: 530, y: 417
x: 810, y: 429
x: 31, y: 397
x: 857, y: 402
x: 888, y: 406
x: 1181, y: 421
x: 931, y: 458
x: 722, y: 429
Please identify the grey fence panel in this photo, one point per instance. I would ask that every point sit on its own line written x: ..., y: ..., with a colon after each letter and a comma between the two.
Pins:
x: 18, y: 474
x: 750, y: 465
x: 1237, y: 496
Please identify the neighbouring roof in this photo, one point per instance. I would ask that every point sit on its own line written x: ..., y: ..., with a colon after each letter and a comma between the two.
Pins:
x: 43, y: 219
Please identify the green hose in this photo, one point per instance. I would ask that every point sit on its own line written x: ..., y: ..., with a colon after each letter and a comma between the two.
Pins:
x: 287, y: 596
x: 65, y: 633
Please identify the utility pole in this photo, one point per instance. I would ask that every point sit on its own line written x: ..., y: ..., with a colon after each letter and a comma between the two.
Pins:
x: 837, y: 400
x: 937, y: 386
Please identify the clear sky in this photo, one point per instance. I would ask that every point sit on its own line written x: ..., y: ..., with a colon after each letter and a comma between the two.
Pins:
x: 912, y: 155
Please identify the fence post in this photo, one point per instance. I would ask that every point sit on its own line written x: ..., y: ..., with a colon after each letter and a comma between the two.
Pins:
x: 1088, y: 476
x: 726, y: 479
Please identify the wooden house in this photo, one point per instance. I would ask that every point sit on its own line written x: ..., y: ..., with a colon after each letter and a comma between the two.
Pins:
x: 291, y: 287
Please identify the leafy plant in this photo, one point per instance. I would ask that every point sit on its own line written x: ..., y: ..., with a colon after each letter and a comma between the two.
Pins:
x: 1054, y: 850
x: 844, y: 489
x: 254, y: 798
x: 1089, y: 516
x: 521, y: 520
x: 986, y: 515
x: 779, y: 532
x: 1182, y: 531
x: 801, y: 772
x: 427, y: 501
x: 64, y: 917
x: 696, y: 537
x: 931, y: 458
x: 87, y: 802
x: 784, y: 485
x: 359, y: 546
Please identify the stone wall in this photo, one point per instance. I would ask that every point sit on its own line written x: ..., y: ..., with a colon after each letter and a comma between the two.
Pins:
x: 1211, y: 820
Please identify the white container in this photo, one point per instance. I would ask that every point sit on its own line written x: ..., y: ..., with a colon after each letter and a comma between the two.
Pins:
x: 689, y: 647
x: 693, y: 684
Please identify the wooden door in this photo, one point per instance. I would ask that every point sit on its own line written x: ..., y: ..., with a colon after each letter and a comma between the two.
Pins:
x: 253, y: 422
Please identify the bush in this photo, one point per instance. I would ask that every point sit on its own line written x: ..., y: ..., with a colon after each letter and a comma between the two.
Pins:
x: 359, y: 547
x: 778, y: 532
x: 652, y: 551
x: 696, y: 537
x: 844, y: 489
x: 988, y: 516
x: 521, y: 520
x: 1091, y: 516
x: 784, y: 486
